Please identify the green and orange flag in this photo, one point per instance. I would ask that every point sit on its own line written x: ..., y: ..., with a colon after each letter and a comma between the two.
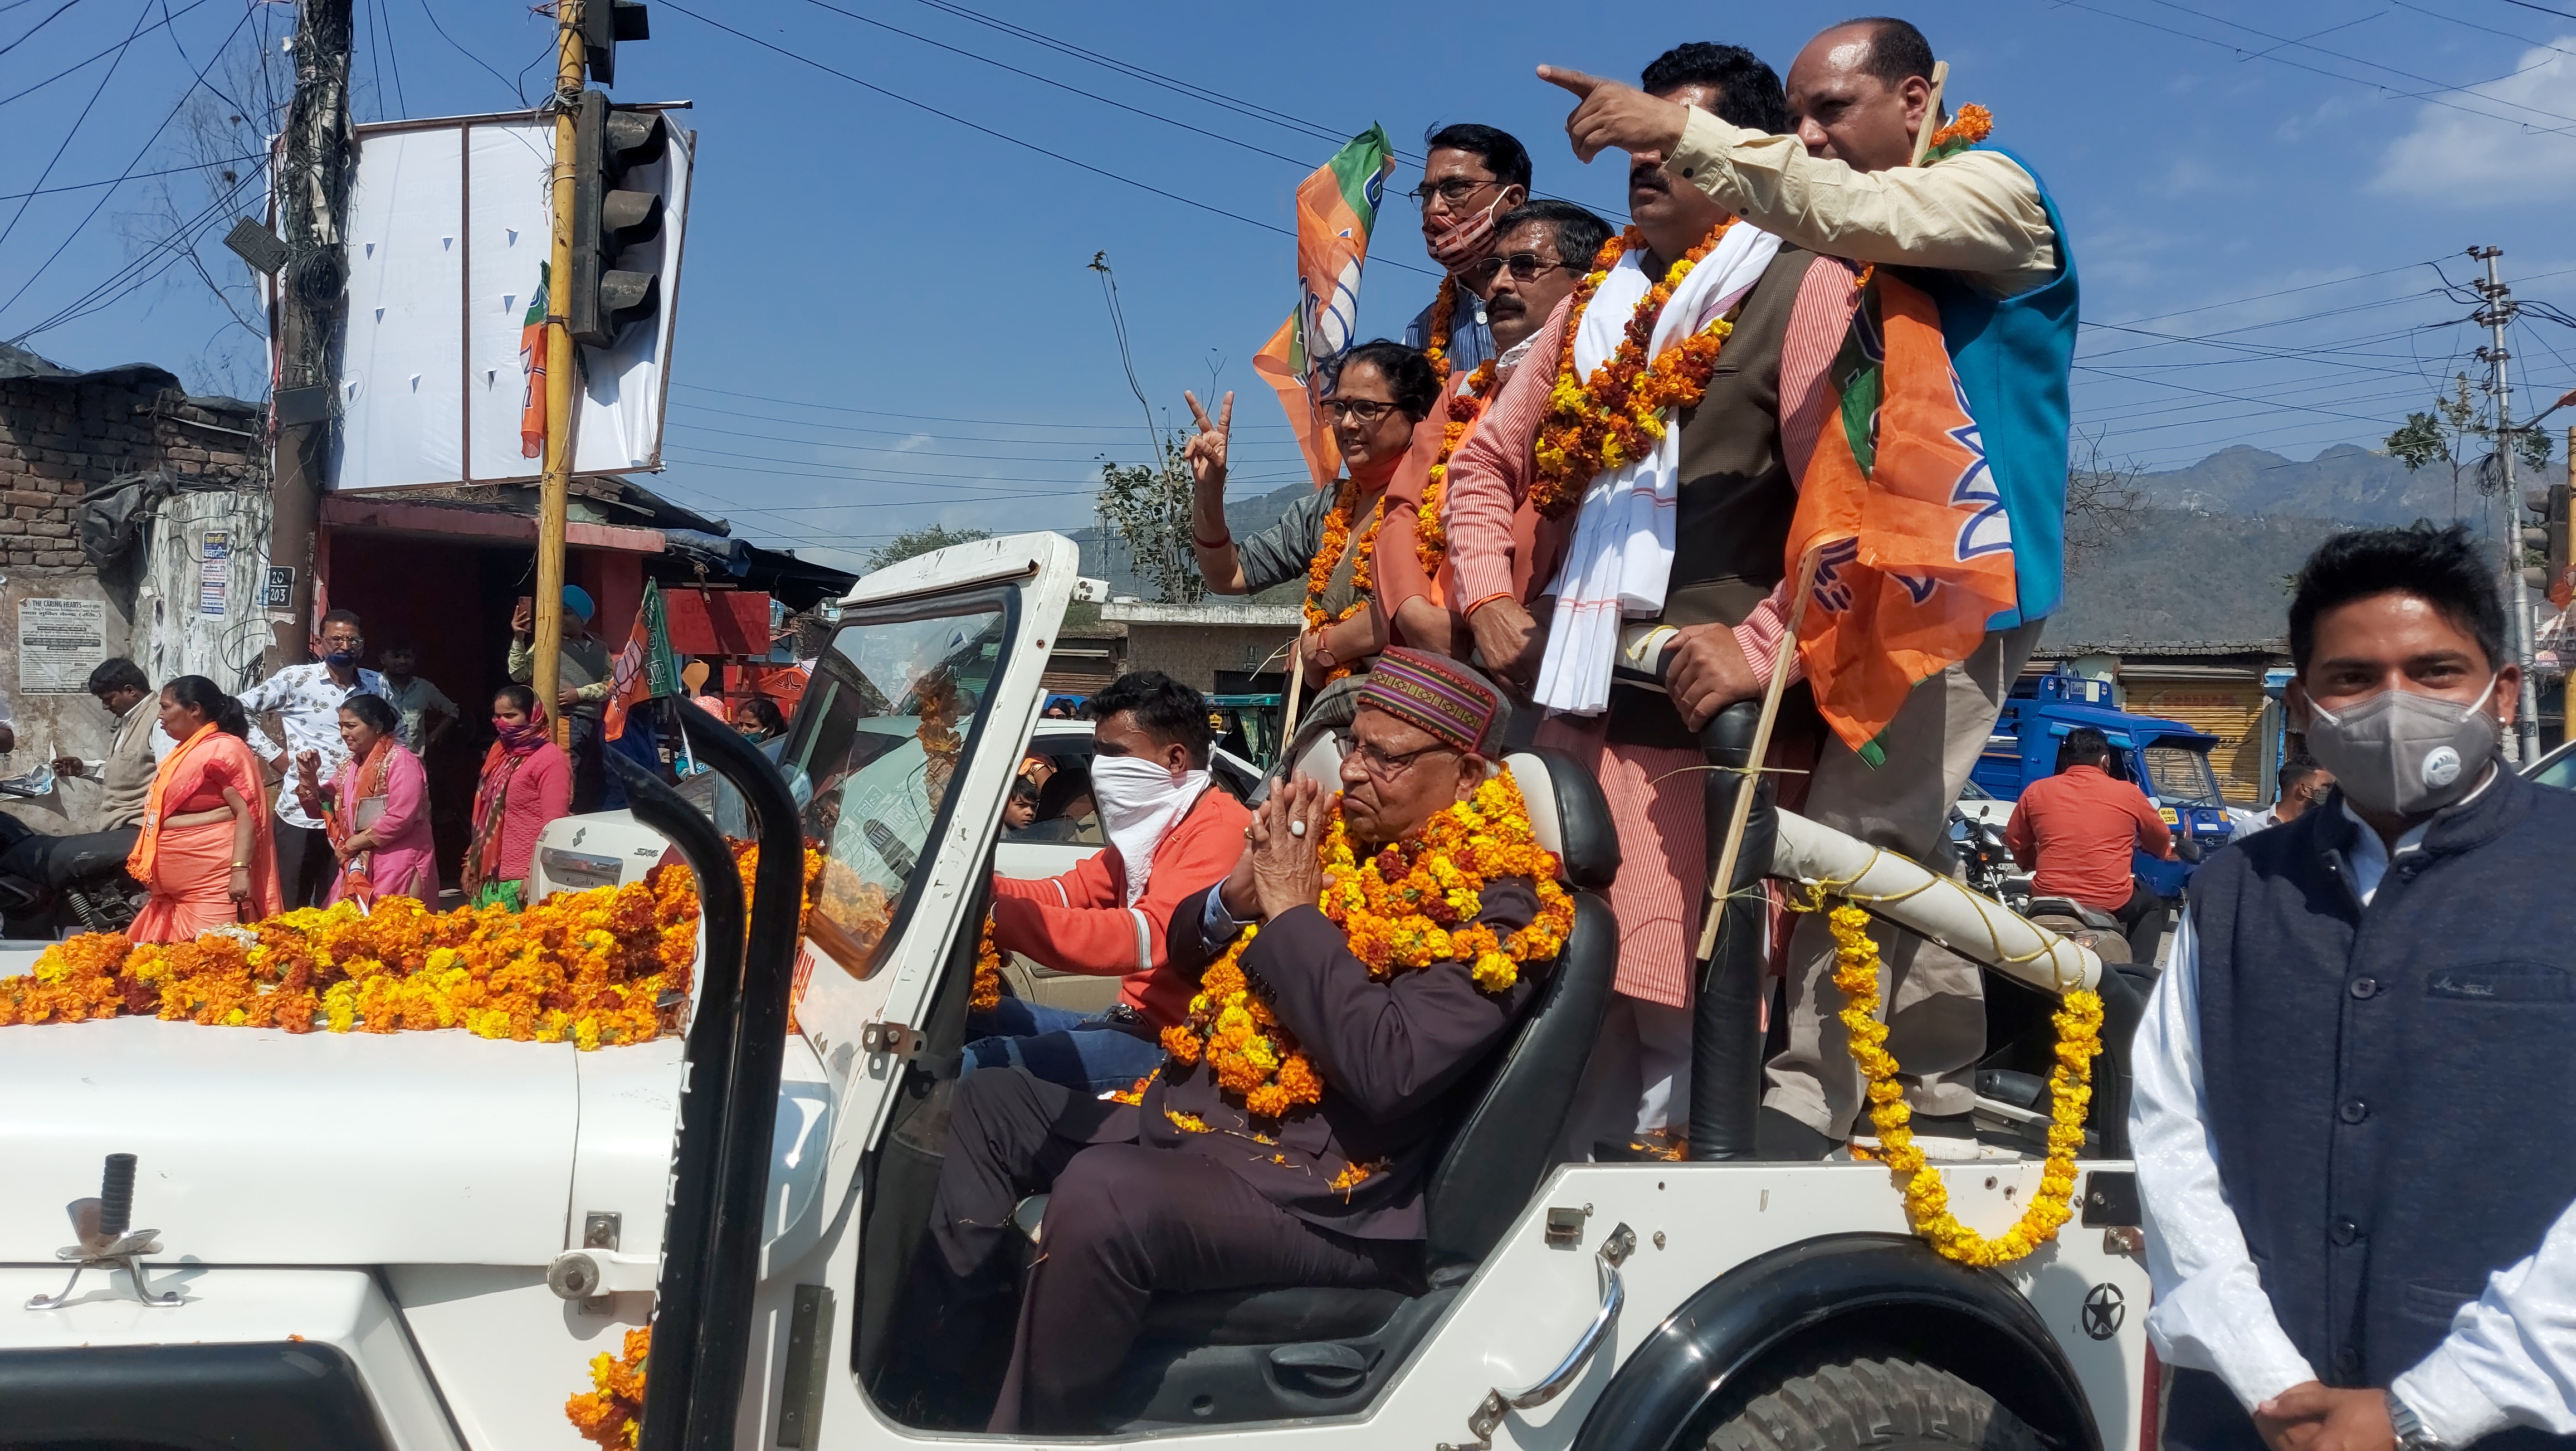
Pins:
x: 1336, y: 207
x: 645, y: 668
x: 1915, y: 552
x: 532, y: 370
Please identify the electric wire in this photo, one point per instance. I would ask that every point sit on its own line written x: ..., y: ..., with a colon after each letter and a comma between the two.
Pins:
x: 117, y: 50
x: 78, y: 121
x: 39, y: 25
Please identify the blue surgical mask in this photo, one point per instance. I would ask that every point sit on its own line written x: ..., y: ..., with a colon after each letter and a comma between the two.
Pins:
x: 341, y: 659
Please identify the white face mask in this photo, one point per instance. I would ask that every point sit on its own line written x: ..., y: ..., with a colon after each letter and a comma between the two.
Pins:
x: 1139, y: 800
x: 2405, y: 753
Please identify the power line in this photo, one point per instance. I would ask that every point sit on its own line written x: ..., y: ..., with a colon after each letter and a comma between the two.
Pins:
x: 117, y: 49
x: 11, y: 196
x: 393, y: 53
x: 515, y: 89
x: 127, y: 279
x: 1004, y: 136
x: 39, y: 25
x: 83, y: 225
x: 77, y: 121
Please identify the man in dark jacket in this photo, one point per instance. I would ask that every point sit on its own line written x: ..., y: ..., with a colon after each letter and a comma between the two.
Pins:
x: 2349, y: 1077
x: 1189, y: 1190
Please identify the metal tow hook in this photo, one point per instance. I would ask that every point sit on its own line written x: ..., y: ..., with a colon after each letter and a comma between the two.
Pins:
x: 1489, y: 1412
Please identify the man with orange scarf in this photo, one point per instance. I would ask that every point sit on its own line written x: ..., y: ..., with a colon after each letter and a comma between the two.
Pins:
x: 1171, y: 831
x: 1542, y: 250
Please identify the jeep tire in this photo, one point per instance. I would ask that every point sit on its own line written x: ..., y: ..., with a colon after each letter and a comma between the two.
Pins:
x: 1863, y: 1403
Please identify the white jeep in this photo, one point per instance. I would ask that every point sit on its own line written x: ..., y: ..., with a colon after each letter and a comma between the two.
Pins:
x: 420, y: 1239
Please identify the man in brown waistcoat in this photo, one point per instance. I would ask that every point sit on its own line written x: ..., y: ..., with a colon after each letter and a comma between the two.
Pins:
x: 1740, y: 451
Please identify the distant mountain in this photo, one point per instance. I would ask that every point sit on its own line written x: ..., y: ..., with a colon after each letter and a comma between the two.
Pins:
x: 2208, y: 562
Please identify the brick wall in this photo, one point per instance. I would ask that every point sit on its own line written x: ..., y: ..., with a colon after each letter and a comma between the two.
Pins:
x: 60, y: 436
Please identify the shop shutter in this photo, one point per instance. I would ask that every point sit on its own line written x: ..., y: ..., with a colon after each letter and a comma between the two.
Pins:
x: 2232, y: 712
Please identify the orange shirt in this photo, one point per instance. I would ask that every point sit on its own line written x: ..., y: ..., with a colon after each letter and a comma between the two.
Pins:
x: 2076, y: 829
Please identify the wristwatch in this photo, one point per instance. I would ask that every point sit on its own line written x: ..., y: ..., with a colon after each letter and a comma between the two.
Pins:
x: 2411, y: 1435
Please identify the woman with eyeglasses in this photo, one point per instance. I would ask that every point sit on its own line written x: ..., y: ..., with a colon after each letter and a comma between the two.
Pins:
x: 1330, y: 538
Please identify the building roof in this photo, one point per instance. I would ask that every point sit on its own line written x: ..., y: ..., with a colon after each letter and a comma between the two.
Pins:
x: 2165, y: 649
x: 1263, y: 617
x: 18, y: 363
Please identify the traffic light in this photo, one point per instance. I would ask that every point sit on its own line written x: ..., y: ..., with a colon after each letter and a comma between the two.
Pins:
x: 603, y: 24
x: 607, y: 220
x: 2545, y: 533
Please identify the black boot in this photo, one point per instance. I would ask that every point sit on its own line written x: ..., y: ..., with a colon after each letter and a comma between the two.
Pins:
x: 1781, y: 1139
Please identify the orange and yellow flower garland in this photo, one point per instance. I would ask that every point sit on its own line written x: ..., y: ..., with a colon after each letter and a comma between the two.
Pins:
x: 1430, y: 530
x: 986, y: 992
x: 1927, y: 1195
x: 590, y: 968
x: 611, y: 1413
x: 1435, y: 342
x: 1613, y: 418
x: 1973, y: 124
x: 1402, y: 908
x: 1328, y: 557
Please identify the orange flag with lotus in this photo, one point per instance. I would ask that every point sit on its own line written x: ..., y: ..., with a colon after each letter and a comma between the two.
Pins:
x: 1336, y: 207
x: 1914, y: 551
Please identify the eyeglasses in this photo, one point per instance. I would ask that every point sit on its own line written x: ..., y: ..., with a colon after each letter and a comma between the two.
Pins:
x: 1364, y: 410
x: 1453, y: 191
x: 1378, y: 763
x: 1526, y: 267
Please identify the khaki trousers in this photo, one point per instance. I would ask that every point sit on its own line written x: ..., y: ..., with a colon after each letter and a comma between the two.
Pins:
x: 1936, y: 1011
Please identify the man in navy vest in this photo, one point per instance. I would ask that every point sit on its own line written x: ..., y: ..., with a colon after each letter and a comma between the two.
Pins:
x: 1976, y: 231
x: 2351, y: 1078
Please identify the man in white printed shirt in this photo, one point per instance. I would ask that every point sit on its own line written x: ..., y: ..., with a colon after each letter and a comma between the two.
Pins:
x: 307, y: 701
x: 2348, y: 1078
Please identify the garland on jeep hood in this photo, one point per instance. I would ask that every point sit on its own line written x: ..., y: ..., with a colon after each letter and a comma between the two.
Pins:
x: 606, y: 966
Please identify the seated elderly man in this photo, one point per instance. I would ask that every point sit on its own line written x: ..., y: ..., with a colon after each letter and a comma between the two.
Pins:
x: 1286, y: 1139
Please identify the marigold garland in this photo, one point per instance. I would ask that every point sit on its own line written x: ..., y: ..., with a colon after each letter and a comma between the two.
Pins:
x: 591, y: 968
x: 986, y: 992
x: 611, y: 1413
x: 1328, y: 556
x: 1435, y: 342
x: 1973, y: 124
x: 1401, y: 908
x: 1430, y: 530
x: 1597, y: 424
x: 1927, y: 1195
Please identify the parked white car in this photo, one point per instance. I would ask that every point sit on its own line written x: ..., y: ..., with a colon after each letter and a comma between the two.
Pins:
x: 419, y: 1240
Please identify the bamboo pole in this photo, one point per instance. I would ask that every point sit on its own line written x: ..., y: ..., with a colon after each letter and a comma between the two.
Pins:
x: 554, y: 493
x: 1931, y: 112
x: 1719, y: 884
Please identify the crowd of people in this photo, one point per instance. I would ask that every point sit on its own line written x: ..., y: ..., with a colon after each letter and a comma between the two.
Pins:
x: 2342, y: 1028
x: 227, y: 824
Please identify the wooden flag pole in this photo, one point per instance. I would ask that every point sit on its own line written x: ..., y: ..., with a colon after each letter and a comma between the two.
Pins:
x: 1923, y: 134
x: 1296, y: 688
x: 1719, y: 884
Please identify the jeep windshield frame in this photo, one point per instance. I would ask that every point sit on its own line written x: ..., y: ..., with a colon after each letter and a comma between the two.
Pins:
x: 860, y: 740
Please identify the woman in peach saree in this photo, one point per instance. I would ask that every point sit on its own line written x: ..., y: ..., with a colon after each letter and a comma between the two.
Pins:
x: 204, y: 854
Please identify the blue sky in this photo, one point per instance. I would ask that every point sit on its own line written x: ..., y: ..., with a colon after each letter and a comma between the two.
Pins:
x: 887, y: 319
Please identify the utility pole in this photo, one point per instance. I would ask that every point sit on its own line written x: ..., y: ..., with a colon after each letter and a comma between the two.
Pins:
x: 554, y: 493
x: 312, y: 195
x: 2524, y: 744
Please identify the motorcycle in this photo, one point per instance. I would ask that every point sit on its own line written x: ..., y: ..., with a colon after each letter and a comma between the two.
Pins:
x: 53, y: 884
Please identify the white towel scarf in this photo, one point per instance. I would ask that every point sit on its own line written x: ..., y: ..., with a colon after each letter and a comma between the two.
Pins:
x: 1622, y: 554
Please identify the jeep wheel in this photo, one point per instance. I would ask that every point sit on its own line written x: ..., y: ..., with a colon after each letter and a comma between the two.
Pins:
x: 1866, y: 1404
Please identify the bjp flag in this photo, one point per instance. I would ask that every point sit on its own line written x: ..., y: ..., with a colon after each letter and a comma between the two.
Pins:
x: 1914, y: 551
x: 1336, y: 207
x: 645, y: 668
x: 532, y: 368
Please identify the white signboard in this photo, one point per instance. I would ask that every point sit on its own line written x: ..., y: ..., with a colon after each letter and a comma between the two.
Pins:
x: 59, y: 643
x: 448, y: 224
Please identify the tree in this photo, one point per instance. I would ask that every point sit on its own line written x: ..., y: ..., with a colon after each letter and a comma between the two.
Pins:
x: 2442, y: 437
x: 921, y: 541
x: 2103, y: 504
x: 1148, y: 508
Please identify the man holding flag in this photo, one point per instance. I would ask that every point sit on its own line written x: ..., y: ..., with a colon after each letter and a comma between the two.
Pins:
x: 1934, y: 505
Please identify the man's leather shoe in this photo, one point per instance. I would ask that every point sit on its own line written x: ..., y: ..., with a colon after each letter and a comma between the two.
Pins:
x: 1781, y: 1139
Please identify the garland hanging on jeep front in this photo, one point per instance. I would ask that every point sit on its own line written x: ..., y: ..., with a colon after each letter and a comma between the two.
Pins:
x: 1404, y: 907
x: 1927, y: 1196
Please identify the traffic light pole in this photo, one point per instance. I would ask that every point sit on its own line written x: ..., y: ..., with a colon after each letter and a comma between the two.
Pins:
x: 553, y: 495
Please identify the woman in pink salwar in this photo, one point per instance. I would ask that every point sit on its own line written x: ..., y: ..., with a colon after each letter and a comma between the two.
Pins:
x: 376, y: 809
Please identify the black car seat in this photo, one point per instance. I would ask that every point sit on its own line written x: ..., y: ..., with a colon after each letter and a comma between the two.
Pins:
x: 1250, y: 1355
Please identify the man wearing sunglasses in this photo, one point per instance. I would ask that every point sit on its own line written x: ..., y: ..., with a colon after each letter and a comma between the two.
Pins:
x: 1473, y: 175
x: 1542, y: 250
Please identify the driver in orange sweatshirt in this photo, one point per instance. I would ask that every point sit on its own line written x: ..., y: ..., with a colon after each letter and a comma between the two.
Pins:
x: 1172, y: 832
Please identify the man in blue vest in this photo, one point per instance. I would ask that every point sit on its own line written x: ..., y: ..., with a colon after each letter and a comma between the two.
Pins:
x: 2352, y: 1074
x: 1976, y: 231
